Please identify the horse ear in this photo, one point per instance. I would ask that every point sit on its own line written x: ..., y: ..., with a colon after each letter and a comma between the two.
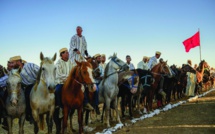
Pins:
x: 54, y: 57
x: 41, y: 56
x: 166, y: 61
x: 5, y: 71
x: 114, y: 54
x: 78, y: 63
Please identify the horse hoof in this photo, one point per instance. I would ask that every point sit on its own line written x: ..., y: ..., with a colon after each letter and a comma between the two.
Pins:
x: 73, y: 130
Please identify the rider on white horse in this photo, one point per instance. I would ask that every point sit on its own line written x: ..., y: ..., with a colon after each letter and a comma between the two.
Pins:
x: 28, y: 75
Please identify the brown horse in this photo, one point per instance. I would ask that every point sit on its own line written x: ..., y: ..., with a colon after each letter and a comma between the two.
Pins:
x: 158, y: 70
x: 73, y: 94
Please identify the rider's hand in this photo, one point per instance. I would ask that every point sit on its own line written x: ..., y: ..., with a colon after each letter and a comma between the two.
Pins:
x: 78, y: 52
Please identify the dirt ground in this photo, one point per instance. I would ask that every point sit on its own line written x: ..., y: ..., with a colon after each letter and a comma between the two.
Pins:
x: 192, y: 117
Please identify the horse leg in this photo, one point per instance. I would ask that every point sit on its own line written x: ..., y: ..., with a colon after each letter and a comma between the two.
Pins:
x: 129, y: 105
x: 65, y: 117
x: 80, y: 120
x: 72, y: 111
x: 57, y: 121
x: 107, y: 109
x: 35, y: 120
x: 122, y: 104
x: 49, y: 122
x: 87, y: 117
x: 117, y: 111
x: 9, y: 122
x: 138, y: 104
x: 21, y: 124
x: 103, y: 109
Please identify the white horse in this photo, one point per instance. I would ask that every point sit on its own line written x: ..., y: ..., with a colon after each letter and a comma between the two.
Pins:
x: 42, y: 98
x: 15, y: 102
x: 108, y: 88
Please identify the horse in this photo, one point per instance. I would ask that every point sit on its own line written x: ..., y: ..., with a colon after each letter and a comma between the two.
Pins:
x: 144, y: 85
x: 108, y: 87
x: 127, y: 89
x: 200, y: 75
x: 42, y: 98
x: 96, y: 73
x: 72, y: 92
x: 15, y: 102
x: 176, y: 87
x: 157, y: 71
x: 127, y: 80
x: 170, y: 83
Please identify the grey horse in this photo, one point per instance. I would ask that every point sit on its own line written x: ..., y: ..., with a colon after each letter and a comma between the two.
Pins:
x: 108, y: 88
x: 15, y: 102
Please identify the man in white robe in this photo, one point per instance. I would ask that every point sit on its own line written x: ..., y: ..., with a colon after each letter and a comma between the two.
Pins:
x: 143, y: 64
x: 191, y: 81
x: 78, y: 47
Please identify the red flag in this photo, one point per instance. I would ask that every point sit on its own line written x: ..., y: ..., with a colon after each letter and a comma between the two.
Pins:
x: 192, y: 42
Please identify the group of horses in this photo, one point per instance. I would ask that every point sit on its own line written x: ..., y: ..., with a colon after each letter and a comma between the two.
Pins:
x: 132, y: 86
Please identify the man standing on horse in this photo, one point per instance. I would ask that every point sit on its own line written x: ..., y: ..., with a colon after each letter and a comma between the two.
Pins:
x: 151, y: 63
x: 78, y: 46
x: 29, y: 76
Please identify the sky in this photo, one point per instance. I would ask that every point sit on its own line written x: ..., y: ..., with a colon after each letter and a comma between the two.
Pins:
x: 127, y: 27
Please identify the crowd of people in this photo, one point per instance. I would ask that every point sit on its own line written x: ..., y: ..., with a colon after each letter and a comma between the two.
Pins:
x: 77, y: 51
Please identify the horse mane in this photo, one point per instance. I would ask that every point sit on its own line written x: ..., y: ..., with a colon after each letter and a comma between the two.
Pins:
x: 72, y: 73
x: 70, y: 77
x: 156, y: 66
x: 107, y: 66
x: 106, y: 70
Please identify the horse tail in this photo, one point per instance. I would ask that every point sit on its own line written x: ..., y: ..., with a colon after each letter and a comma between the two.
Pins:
x: 41, y: 122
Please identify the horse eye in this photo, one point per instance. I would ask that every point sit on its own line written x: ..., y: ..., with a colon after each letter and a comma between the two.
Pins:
x: 43, y: 68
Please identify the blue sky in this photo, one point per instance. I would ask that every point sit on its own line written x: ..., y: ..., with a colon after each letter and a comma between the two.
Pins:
x: 128, y: 27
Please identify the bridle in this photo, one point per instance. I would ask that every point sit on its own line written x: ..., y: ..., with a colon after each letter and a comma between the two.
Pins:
x: 15, y: 91
x: 162, y: 70
x: 82, y: 82
x: 120, y: 67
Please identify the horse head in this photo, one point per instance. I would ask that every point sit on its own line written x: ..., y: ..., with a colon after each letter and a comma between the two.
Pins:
x: 48, y: 71
x: 14, y: 85
x: 84, y: 75
x: 165, y: 69
x: 117, y: 63
x: 95, y: 65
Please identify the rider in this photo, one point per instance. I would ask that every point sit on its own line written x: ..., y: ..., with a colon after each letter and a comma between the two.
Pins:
x: 152, y: 62
x: 103, y: 59
x: 29, y: 76
x: 128, y: 62
x: 143, y: 64
x: 97, y: 58
x: 63, y: 68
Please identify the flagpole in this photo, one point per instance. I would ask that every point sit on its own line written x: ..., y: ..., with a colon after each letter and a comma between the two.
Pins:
x: 200, y: 47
